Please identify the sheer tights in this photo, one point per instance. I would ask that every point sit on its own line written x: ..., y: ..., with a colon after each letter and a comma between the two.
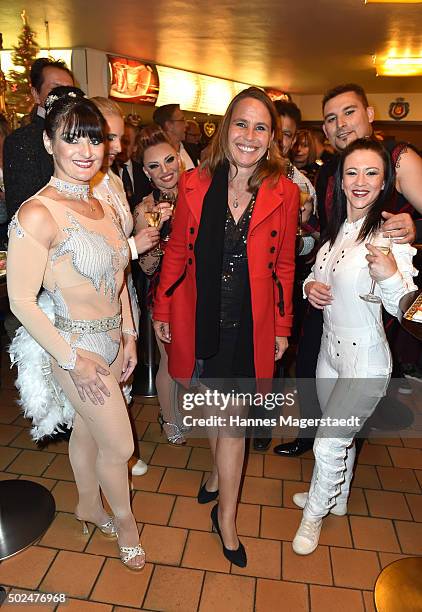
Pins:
x: 100, y: 446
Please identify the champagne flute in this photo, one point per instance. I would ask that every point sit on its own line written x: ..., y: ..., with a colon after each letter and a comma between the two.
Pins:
x: 152, y: 216
x: 170, y: 198
x: 384, y: 245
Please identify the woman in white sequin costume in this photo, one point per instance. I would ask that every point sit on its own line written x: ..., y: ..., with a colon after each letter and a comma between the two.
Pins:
x: 67, y: 242
x: 354, y: 363
x: 108, y: 187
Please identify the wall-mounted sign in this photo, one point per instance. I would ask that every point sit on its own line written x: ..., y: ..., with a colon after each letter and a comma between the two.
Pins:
x: 399, y: 109
x: 133, y: 81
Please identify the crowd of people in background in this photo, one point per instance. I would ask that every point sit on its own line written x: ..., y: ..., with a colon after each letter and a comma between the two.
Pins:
x: 248, y: 250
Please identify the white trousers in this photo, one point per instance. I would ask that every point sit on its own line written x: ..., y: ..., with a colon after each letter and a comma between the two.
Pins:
x: 341, y: 397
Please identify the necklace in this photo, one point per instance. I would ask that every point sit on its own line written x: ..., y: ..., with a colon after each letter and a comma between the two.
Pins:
x: 72, y: 191
x: 235, y: 203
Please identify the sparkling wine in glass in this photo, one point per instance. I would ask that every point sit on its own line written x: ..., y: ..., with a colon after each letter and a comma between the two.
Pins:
x: 170, y: 198
x: 152, y: 216
x: 384, y: 245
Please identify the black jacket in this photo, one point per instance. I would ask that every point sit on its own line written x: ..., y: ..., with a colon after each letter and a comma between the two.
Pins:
x: 141, y: 188
x: 27, y: 166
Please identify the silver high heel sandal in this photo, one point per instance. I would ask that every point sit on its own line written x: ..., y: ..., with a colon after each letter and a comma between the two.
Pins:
x: 127, y: 553
x: 108, y: 529
x: 173, y: 431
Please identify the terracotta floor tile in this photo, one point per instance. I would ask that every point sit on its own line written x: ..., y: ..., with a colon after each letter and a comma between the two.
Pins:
x: 277, y: 594
x: 24, y: 440
x: 147, y: 450
x: 247, y: 520
x: 415, y: 503
x: 357, y: 502
x: 261, y: 491
x: 356, y: 569
x: 131, y: 585
x: 407, y: 457
x: 385, y: 441
x: 171, y: 455
x: 280, y: 523
x: 7, y: 455
x: 282, y: 467
x: 140, y: 427
x: 387, y: 558
x: 331, y: 599
x: 368, y: 600
x: 26, y: 569
x: 198, y: 442
x: 78, y: 605
x: 181, y: 482
x: 163, y: 544
x: 336, y: 532
x: 254, y: 465
x: 412, y: 442
x: 200, y: 459
x: 307, y: 466
x: 387, y: 504
x: 66, y: 496
x: 72, y: 573
x: 314, y: 568
x: 153, y: 432
x: 152, y: 508
x: 373, y: 454
x: 188, y: 513
x: 31, y: 462
x: 65, y: 532
x: 60, y: 447
x: 7, y: 476
x: 203, y: 551
x: 21, y: 421
x: 174, y: 589
x: 374, y: 534
x: 290, y: 487
x: 149, y: 481
x: 264, y: 559
x: 48, y: 483
x: 418, y: 474
x: 100, y: 545
x: 227, y: 593
x: 8, y: 433
x: 60, y: 468
x: 8, y: 411
x: 148, y: 413
x: 366, y: 477
x: 410, y: 536
x: 398, y: 479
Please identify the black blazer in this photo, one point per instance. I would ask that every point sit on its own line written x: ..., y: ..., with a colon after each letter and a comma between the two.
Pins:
x: 27, y: 166
x: 142, y: 186
x: 194, y: 152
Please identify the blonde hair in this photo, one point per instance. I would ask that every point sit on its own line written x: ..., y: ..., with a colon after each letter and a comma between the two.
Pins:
x: 271, y: 166
x: 107, y: 106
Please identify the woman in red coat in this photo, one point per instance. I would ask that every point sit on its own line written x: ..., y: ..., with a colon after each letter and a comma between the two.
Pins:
x: 224, y: 303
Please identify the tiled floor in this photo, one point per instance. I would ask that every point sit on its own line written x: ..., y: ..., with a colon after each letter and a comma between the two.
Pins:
x: 186, y: 570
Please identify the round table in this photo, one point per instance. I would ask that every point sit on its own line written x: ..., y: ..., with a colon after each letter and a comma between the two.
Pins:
x: 415, y: 329
x: 399, y: 586
x: 26, y: 511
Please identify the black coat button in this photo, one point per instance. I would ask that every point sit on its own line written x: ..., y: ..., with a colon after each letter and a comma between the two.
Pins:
x: 270, y: 265
x: 272, y: 249
x: 191, y: 229
x: 190, y: 261
x: 274, y: 233
x: 190, y: 245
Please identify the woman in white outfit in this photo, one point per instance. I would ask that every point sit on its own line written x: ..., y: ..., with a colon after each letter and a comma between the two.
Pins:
x: 354, y: 363
x: 108, y: 187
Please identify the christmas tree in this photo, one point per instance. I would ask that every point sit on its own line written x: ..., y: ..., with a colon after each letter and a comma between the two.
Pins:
x: 19, y: 96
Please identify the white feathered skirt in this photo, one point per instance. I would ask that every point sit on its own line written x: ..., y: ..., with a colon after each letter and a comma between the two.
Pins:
x: 41, y: 398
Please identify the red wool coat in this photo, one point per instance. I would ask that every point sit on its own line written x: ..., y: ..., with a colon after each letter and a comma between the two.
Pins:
x: 270, y: 248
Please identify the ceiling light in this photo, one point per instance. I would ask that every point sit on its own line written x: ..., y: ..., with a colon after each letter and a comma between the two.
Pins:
x: 400, y: 66
x: 393, y: 1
